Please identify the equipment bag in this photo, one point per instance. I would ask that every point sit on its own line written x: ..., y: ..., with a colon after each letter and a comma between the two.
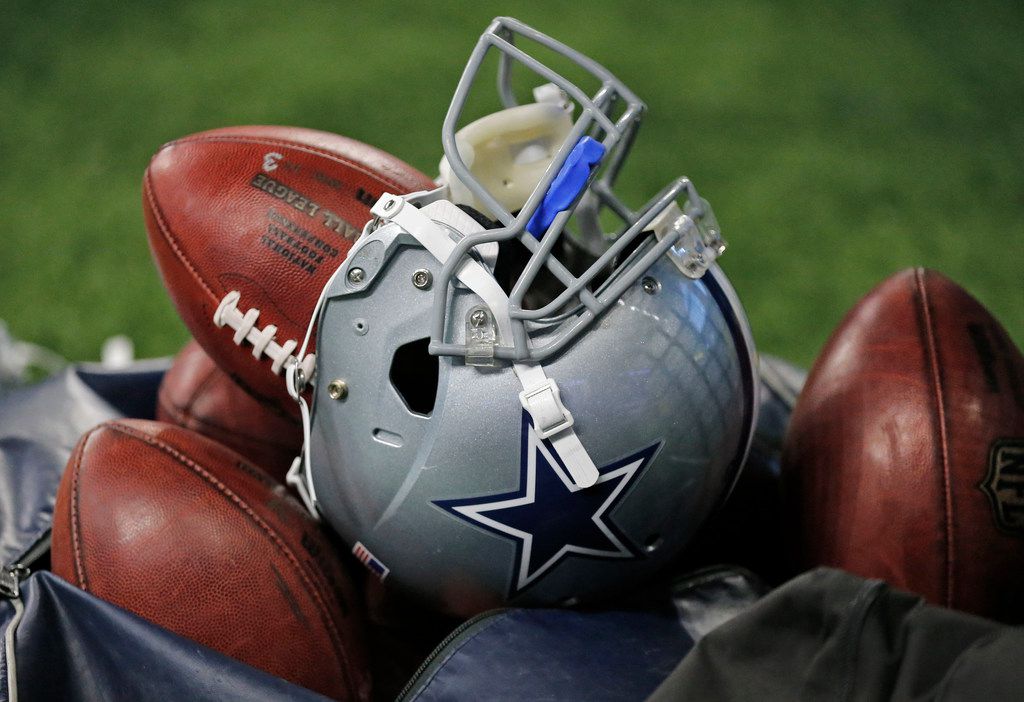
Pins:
x: 565, y: 654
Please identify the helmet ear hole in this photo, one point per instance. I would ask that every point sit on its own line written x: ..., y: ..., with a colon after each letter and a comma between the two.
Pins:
x: 414, y: 375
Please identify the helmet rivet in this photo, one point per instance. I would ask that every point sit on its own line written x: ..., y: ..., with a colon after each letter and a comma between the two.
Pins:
x: 478, y: 318
x: 422, y: 278
x: 356, y: 275
x: 650, y: 285
x: 337, y: 389
x: 389, y: 205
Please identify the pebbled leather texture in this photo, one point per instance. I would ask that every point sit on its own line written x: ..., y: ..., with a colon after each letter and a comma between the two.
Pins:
x: 892, y: 441
x: 185, y: 533
x: 197, y: 395
x: 270, y: 212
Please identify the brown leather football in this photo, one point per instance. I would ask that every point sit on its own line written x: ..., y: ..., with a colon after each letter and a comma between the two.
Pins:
x: 268, y: 212
x: 184, y: 532
x: 904, y: 458
x: 198, y: 395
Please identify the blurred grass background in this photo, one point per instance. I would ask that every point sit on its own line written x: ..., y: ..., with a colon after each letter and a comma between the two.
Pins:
x: 837, y: 143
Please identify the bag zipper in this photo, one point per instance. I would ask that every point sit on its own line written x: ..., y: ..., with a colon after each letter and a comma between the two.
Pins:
x: 10, y: 580
x: 12, y: 575
x: 439, y: 649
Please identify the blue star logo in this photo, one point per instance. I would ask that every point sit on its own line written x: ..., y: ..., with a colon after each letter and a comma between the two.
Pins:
x: 549, y: 517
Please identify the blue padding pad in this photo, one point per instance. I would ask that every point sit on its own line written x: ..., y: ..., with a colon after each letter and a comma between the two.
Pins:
x: 567, y: 185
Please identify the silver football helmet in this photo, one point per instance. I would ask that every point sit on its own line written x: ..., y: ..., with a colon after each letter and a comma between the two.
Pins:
x: 525, y: 390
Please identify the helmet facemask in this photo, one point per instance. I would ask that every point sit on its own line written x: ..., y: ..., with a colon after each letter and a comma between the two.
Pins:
x: 577, y: 244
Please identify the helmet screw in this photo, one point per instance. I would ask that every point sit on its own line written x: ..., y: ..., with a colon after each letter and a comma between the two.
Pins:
x: 337, y: 389
x: 478, y: 318
x: 650, y: 285
x: 389, y: 205
x: 422, y: 278
x: 356, y: 275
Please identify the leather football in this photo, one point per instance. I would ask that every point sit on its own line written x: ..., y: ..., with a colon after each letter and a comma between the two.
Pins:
x: 198, y: 395
x: 184, y: 532
x: 269, y: 213
x: 904, y: 458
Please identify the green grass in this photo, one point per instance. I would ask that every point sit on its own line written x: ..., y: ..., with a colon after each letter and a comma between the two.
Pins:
x: 836, y: 144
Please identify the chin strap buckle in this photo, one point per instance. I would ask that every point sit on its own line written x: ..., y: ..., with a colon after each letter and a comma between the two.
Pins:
x: 544, y: 404
x: 552, y: 421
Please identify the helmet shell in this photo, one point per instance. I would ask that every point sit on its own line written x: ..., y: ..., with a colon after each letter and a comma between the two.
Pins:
x: 664, y: 376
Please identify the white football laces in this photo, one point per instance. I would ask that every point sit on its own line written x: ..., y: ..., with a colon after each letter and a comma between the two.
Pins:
x: 263, y: 340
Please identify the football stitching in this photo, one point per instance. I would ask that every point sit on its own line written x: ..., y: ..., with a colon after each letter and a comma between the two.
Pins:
x: 355, y: 165
x: 933, y: 361
x: 154, y: 206
x: 333, y: 631
x: 76, y: 514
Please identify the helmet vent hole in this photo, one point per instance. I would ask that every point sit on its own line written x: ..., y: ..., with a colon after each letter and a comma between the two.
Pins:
x: 652, y: 543
x: 414, y: 374
x: 388, y: 438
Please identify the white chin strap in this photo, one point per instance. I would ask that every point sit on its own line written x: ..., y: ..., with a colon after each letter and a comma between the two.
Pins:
x: 540, y: 396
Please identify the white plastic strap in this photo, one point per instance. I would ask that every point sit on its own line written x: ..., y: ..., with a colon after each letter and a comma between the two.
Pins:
x: 299, y: 475
x: 540, y: 393
x: 552, y: 421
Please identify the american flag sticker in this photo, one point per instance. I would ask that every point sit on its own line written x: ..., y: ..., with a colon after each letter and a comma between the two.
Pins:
x: 368, y: 560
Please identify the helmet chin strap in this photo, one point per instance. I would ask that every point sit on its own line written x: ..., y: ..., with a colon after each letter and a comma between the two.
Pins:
x: 540, y: 396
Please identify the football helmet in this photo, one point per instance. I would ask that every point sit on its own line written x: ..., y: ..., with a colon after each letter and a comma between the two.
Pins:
x: 525, y: 390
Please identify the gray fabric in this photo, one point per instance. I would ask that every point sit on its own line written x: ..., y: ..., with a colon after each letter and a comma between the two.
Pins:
x: 828, y: 635
x: 39, y: 427
x: 781, y: 383
x: 706, y: 599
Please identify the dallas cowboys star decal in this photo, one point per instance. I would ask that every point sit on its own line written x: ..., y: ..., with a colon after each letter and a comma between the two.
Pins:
x: 549, y: 517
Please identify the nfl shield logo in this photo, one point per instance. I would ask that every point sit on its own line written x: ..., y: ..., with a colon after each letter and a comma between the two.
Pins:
x: 1004, y: 484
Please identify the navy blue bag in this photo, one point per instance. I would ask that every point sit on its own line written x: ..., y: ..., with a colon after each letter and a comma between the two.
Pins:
x: 69, y: 645
x: 595, y: 655
x: 61, y: 643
